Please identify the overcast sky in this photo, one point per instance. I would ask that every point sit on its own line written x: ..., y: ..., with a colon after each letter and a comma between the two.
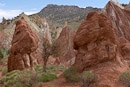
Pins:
x: 11, y: 8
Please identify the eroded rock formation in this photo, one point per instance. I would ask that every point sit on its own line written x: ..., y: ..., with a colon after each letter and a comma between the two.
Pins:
x: 64, y: 45
x: 102, y: 43
x: 24, y: 43
x: 95, y: 41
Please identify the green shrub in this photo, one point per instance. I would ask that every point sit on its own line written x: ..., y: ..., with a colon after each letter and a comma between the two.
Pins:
x: 55, y: 68
x: 125, y: 78
x: 3, y: 53
x: 27, y: 78
x: 50, y: 68
x: 18, y: 78
x: 38, y: 68
x: 9, y: 79
x: 71, y: 75
x: 87, y: 77
x: 45, y: 77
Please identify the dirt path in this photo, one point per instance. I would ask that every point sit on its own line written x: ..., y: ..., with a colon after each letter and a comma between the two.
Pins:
x: 61, y: 82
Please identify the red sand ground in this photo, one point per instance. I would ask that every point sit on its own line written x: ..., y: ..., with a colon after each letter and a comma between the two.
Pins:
x: 61, y: 82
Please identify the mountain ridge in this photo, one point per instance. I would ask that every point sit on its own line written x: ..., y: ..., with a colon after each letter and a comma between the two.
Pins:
x: 58, y: 14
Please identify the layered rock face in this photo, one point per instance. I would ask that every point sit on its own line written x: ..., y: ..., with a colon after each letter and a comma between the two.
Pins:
x: 64, y: 45
x: 103, y: 46
x: 24, y: 43
x: 120, y: 20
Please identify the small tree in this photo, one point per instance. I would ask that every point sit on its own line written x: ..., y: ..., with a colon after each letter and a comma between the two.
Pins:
x: 46, y: 52
x: 48, y: 49
x: 71, y: 75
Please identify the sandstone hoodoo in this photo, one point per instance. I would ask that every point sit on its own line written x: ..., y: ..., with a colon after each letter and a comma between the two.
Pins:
x: 98, y: 49
x: 24, y: 43
x: 95, y: 41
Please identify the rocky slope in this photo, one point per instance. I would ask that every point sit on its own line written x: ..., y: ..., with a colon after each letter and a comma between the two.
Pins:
x: 57, y: 15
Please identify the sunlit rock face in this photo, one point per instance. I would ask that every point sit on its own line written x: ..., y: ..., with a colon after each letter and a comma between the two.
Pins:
x: 24, y: 43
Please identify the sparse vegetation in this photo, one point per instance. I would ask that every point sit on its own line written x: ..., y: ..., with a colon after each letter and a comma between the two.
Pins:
x: 25, y: 78
x: 71, y: 75
x: 74, y: 25
x: 50, y: 68
x: 125, y: 78
x: 87, y: 77
x: 45, y: 77
x: 18, y: 78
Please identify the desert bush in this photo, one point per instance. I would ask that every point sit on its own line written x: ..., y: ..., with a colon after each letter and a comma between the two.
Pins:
x: 50, y: 68
x: 125, y: 78
x: 27, y: 79
x: 55, y: 68
x: 9, y: 79
x: 3, y: 53
x: 38, y: 68
x: 87, y: 77
x: 18, y: 78
x: 71, y: 75
x: 45, y: 77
